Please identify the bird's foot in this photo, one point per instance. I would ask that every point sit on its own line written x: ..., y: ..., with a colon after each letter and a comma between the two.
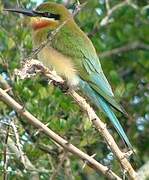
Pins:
x: 63, y: 86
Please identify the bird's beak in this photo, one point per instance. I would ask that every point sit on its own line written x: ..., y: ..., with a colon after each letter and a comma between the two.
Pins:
x: 33, y: 13
x: 26, y: 12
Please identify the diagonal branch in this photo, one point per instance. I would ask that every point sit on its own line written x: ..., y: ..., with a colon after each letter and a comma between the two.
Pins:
x: 100, y: 126
x: 64, y: 143
x: 110, y: 12
x: 128, y: 47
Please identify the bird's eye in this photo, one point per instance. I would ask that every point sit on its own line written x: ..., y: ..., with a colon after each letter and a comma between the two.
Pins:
x: 47, y: 14
x: 51, y: 15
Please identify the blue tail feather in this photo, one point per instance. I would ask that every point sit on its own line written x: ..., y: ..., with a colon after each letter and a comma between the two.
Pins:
x: 102, y: 104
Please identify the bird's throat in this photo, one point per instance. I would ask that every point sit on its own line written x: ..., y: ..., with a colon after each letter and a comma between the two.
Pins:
x: 41, y: 23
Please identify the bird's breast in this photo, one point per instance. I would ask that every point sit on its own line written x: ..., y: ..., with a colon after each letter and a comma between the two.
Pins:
x: 60, y: 63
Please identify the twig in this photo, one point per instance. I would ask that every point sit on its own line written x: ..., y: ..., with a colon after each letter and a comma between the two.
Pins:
x: 18, y: 145
x: 62, y: 158
x: 39, y: 130
x: 5, y: 154
x: 100, y: 126
x: 106, y: 19
x: 107, y: 6
x: 128, y: 47
x: 28, y: 164
x: 68, y: 170
x: 48, y: 149
x: 13, y: 150
x: 64, y: 143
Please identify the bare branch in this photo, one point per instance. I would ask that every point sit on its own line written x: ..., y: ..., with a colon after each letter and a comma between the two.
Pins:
x: 110, y: 10
x: 62, y: 157
x: 68, y: 170
x: 6, y: 156
x: 106, y: 19
x: 100, y: 126
x: 107, y: 6
x: 128, y: 47
x: 18, y: 145
x: 64, y: 143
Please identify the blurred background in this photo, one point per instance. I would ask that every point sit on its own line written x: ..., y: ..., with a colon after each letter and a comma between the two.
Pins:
x: 119, y: 31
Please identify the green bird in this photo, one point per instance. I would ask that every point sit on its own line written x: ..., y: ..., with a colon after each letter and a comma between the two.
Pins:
x: 72, y: 55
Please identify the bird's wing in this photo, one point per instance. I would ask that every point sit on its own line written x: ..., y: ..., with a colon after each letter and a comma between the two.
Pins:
x: 76, y: 44
x: 98, y: 81
x: 93, y: 74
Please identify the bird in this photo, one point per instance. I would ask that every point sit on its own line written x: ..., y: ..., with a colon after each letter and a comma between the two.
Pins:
x: 72, y: 55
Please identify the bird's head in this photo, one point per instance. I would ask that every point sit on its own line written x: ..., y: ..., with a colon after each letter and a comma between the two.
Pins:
x: 46, y: 15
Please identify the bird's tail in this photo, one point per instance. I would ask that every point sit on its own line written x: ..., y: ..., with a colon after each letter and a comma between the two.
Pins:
x: 106, y: 108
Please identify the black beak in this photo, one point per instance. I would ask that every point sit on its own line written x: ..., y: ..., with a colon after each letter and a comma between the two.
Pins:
x: 23, y: 11
x: 33, y: 13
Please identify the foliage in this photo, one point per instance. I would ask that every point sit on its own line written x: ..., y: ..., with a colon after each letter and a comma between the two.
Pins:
x: 128, y: 73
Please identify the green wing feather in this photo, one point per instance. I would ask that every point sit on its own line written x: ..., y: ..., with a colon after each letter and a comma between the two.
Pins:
x: 72, y: 42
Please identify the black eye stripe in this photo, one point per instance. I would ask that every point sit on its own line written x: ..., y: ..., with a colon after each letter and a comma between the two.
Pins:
x: 47, y: 14
x: 50, y: 15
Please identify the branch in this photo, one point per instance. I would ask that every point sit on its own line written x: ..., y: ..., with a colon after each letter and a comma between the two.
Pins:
x: 110, y: 12
x: 101, y: 127
x: 29, y: 69
x: 106, y: 19
x: 64, y: 143
x: 68, y: 170
x: 128, y: 47
x: 55, y: 153
x: 107, y: 6
x: 12, y: 149
x: 62, y: 158
x: 18, y: 145
x: 6, y: 157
